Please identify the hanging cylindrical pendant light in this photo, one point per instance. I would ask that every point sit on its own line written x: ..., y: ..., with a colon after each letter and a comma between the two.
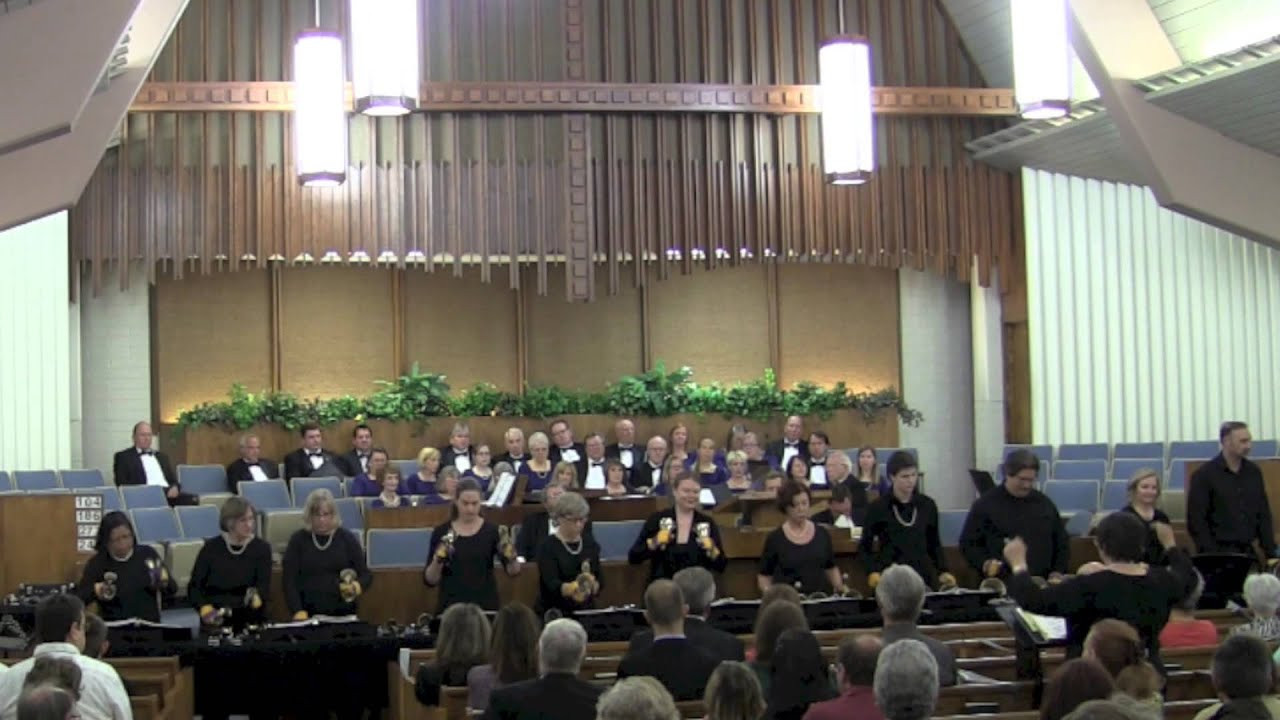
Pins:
x: 384, y: 56
x: 319, y: 109
x: 844, y: 72
x: 1041, y: 58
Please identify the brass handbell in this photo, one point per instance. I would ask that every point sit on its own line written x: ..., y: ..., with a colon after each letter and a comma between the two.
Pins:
x: 505, y: 546
x: 346, y: 585
x: 109, y: 586
x: 995, y: 585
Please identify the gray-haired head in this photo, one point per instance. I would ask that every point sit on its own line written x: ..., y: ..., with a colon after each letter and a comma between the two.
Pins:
x: 698, y: 588
x: 906, y: 683
x: 1262, y: 594
x: 637, y: 698
x: 569, y: 505
x: 900, y: 594
x: 503, y: 468
x: 561, y: 647
x: 45, y: 702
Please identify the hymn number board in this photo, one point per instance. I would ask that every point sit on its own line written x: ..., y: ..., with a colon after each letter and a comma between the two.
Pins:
x: 88, y: 517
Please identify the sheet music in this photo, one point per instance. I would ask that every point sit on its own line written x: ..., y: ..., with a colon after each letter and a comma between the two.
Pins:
x: 706, y: 497
x: 1047, y: 627
x: 501, y: 490
x: 139, y: 622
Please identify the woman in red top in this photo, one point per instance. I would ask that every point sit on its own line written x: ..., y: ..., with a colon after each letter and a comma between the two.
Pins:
x: 1183, y: 629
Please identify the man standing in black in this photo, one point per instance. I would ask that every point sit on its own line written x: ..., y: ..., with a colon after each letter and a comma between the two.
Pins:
x: 1227, y: 505
x: 1016, y: 509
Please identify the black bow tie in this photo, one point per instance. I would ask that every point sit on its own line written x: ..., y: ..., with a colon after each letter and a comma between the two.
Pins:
x: 597, y: 463
x: 146, y: 452
x: 317, y: 453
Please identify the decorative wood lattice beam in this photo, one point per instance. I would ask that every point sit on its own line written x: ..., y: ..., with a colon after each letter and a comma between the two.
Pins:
x: 584, y: 97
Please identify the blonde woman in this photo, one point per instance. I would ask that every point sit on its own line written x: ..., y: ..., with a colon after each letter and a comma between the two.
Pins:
x: 462, y: 643
x: 424, y: 481
x: 324, y: 571
x: 1144, y: 491
x: 637, y: 698
x: 733, y: 693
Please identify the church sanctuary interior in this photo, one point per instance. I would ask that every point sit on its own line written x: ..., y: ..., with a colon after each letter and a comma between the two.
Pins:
x: 639, y: 359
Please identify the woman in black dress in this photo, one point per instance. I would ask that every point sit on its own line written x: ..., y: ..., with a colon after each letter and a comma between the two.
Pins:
x: 1144, y: 491
x: 1123, y: 587
x: 799, y: 552
x: 461, y: 553
x: 232, y: 573
x: 902, y: 528
x: 125, y: 579
x: 672, y: 540
x: 569, y: 576
x: 324, y: 571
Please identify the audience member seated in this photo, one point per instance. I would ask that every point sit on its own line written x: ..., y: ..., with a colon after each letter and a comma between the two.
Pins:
x: 708, y: 471
x: 481, y: 467
x: 733, y: 693
x: 423, y: 482
x: 356, y: 461
x: 370, y: 483
x: 1075, y: 682
x: 1015, y: 509
x: 757, y: 462
x: 59, y: 632
x: 797, y: 469
x: 906, y: 681
x: 840, y: 474
x: 515, y: 456
x: 55, y: 671
x: 819, y: 446
x: 615, y: 483
x: 779, y: 593
x: 48, y: 703
x: 773, y: 482
x: 390, y: 497
x: 591, y: 468
x: 855, y: 675
x: 459, y: 453
x: 232, y: 572
x: 698, y: 588
x: 96, y: 644
x: 1262, y: 596
x: 311, y: 459
x: 1143, y: 493
x: 537, y: 527
x: 513, y: 655
x: 864, y: 474
x: 799, y: 552
x: 647, y: 477
x: 1119, y: 649
x: 739, y: 479
x: 1243, y: 676
x: 900, y: 595
x: 445, y: 488
x: 462, y: 551
x: 124, y: 579
x: 902, y: 528
x: 681, y: 666
x: 771, y: 621
x: 323, y: 570
x: 250, y: 466
x: 839, y: 512
x: 678, y: 445
x: 569, y: 577
x: 625, y: 450
x: 791, y: 443
x: 637, y: 698
x: 799, y: 677
x: 1114, y: 709
x: 538, y: 470
x: 1125, y: 589
x: 680, y: 537
x: 140, y: 464
x: 558, y: 694
x: 1184, y: 629
x: 565, y: 449
x: 461, y: 644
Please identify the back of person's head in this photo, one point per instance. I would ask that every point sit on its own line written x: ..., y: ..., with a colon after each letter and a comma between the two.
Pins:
x: 464, y: 636
x: 698, y: 587
x: 663, y: 604
x: 798, y: 675
x: 1262, y: 594
x: 777, y: 592
x: 514, y: 654
x: 1192, y: 599
x: 858, y: 656
x: 45, y: 703
x: 900, y: 594
x: 60, y: 618
x: 1242, y: 667
x: 1121, y: 537
x: 906, y: 681
x: 1139, y: 681
x: 733, y: 693
x: 95, y: 636
x: 1114, y: 643
x: 772, y: 622
x: 1077, y: 681
x: 1115, y: 709
x: 561, y: 647
x: 58, y: 671
x: 637, y: 698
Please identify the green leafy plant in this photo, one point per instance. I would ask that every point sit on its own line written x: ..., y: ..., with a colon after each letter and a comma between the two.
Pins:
x: 484, y: 399
x: 411, y: 396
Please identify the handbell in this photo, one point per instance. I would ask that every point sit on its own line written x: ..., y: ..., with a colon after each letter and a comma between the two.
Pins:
x: 449, y: 537
x: 109, y: 586
x: 252, y: 599
x: 667, y: 523
x: 995, y: 585
x: 346, y: 585
x: 347, y: 576
x: 703, y: 530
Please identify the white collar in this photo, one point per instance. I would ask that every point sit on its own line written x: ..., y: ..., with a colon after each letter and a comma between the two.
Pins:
x: 56, y: 648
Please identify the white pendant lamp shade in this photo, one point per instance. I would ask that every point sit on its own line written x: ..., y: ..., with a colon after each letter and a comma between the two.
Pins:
x: 1041, y: 58
x: 384, y: 56
x: 320, y: 113
x: 844, y: 74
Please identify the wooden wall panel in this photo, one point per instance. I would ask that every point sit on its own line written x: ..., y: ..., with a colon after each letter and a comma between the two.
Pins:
x: 211, y: 331
x: 717, y: 322
x: 838, y: 322
x: 461, y: 327
x: 582, y: 345
x: 336, y: 330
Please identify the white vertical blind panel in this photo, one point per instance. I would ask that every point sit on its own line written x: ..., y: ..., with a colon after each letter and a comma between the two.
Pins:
x: 1145, y: 325
x: 35, y: 351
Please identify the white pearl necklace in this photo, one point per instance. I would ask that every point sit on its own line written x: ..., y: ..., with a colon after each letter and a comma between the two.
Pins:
x: 316, y: 541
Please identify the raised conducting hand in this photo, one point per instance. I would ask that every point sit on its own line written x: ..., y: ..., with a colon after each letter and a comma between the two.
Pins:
x: 1015, y: 553
x: 1164, y: 533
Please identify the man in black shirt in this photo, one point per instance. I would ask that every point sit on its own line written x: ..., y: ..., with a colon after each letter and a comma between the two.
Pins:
x: 1016, y: 509
x: 1227, y: 505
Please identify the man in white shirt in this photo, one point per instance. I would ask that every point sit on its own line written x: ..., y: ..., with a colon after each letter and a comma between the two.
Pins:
x: 59, y: 627
x: 141, y: 464
x: 251, y: 466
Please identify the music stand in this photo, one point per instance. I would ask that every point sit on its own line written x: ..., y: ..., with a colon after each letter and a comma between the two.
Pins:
x: 841, y: 612
x: 124, y: 633
x: 959, y: 606
x: 610, y: 624
x: 1027, y: 645
x: 982, y: 481
x: 737, y: 617
x: 1224, y: 576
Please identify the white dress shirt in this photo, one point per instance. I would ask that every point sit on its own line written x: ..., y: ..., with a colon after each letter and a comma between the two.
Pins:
x: 626, y: 456
x: 257, y: 473
x: 151, y: 466
x: 102, y: 694
x: 570, y: 454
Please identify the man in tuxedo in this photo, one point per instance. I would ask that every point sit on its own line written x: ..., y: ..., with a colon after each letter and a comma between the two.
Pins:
x: 557, y: 694
x: 698, y: 587
x: 356, y: 462
x: 671, y: 658
x: 562, y: 445
x: 251, y: 466
x: 817, y: 449
x: 312, y: 459
x: 780, y: 451
x: 141, y: 465
x: 647, y: 475
x: 625, y: 450
x: 591, y: 469
x: 515, y: 455
x: 459, y: 452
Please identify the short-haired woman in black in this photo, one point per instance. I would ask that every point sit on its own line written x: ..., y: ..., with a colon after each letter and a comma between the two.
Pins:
x: 569, y: 576
x: 799, y: 553
x: 901, y: 528
x: 232, y: 574
x: 1123, y: 587
x: 461, y: 553
x: 680, y: 537
x: 127, y: 580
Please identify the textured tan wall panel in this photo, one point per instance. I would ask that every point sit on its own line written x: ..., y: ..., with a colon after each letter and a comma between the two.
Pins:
x: 335, y: 330
x: 716, y: 322
x: 839, y: 322
x: 211, y: 331
x: 582, y: 345
x: 462, y: 327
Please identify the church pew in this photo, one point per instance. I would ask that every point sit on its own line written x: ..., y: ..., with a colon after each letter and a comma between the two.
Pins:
x: 146, y: 707
x: 173, y: 685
